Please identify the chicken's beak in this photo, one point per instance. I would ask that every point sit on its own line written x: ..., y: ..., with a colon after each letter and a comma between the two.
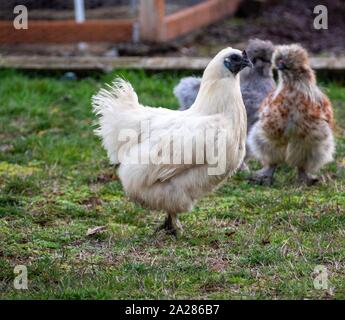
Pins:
x: 245, y: 60
x: 281, y: 65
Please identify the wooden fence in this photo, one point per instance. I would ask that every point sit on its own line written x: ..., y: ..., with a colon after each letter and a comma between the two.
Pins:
x: 154, y: 25
x: 331, y: 63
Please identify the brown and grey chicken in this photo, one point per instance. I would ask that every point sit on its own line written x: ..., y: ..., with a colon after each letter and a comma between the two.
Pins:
x: 296, y: 120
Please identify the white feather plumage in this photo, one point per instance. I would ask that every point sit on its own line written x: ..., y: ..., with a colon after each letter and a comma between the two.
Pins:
x: 174, y: 188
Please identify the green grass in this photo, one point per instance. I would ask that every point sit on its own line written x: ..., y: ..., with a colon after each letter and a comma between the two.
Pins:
x: 241, y: 242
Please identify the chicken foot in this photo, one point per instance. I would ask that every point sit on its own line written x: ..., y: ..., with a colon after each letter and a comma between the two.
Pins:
x: 306, y: 178
x: 264, y: 176
x: 171, y: 224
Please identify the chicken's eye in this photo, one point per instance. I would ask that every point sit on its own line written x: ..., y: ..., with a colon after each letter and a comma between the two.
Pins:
x: 235, y: 57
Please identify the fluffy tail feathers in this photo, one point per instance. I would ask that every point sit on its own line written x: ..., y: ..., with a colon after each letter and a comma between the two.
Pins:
x: 115, y: 107
x: 120, y: 94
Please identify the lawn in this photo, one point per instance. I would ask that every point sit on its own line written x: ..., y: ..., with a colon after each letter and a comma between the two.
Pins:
x: 241, y: 242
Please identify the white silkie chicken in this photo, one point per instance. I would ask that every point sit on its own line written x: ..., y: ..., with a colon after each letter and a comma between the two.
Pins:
x: 146, y: 142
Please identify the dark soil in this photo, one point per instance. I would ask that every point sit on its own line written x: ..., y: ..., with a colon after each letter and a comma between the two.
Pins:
x: 284, y: 22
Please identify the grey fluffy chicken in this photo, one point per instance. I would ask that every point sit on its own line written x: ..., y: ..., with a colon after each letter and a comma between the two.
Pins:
x: 256, y: 83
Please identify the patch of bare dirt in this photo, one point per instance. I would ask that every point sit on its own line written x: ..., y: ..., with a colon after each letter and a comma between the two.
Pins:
x: 284, y: 22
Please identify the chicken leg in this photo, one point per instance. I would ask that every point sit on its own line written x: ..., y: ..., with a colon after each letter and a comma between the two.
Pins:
x: 171, y: 224
x: 264, y: 176
x: 308, y: 179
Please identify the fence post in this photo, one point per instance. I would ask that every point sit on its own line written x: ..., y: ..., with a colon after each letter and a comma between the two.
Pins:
x: 151, y: 20
x: 79, y: 11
